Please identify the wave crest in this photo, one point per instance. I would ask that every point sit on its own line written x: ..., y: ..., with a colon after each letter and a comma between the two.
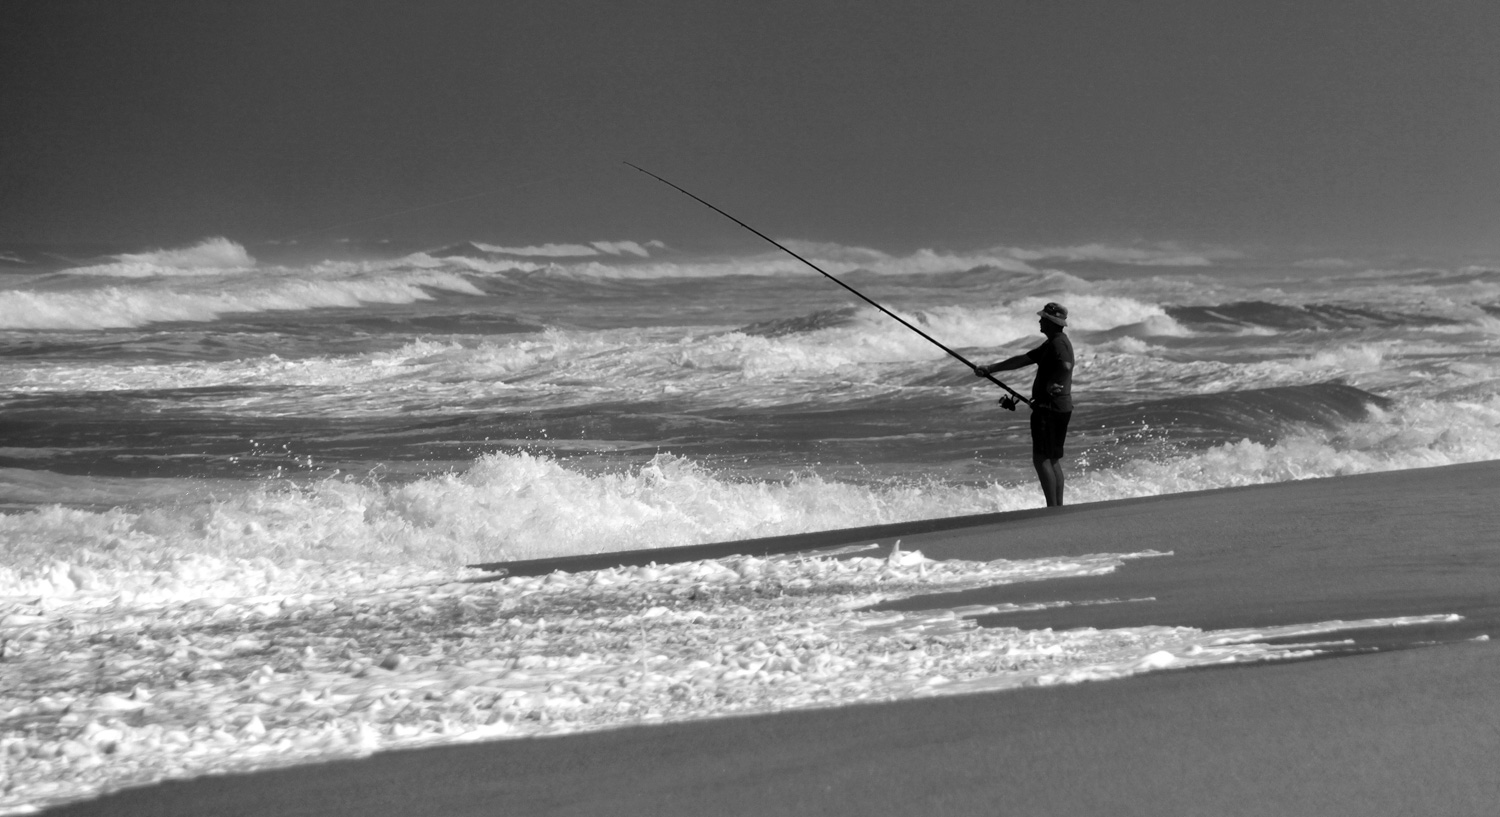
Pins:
x: 1241, y: 316
x: 128, y: 306
x: 211, y: 256
x: 516, y: 506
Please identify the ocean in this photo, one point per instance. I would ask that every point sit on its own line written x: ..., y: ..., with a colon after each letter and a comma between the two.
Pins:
x: 239, y: 486
x: 482, y: 403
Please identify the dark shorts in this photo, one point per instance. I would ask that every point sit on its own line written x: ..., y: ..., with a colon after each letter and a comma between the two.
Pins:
x: 1048, y: 430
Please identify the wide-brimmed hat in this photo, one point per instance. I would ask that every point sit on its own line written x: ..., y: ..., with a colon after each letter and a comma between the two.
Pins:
x: 1057, y: 313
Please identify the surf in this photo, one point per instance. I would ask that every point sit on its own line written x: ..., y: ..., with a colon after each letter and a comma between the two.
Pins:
x: 507, y: 506
x: 135, y: 305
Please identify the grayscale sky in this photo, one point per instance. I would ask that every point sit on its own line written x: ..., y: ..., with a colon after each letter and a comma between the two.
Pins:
x: 1325, y: 126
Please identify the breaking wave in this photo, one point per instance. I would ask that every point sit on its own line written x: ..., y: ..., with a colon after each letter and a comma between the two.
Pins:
x: 581, y: 261
x: 1242, y: 315
x: 517, y: 506
x: 212, y: 256
x: 1263, y: 415
x: 126, y: 306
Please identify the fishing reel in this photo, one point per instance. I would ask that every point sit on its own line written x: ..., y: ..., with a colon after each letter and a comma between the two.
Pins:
x: 1008, y: 403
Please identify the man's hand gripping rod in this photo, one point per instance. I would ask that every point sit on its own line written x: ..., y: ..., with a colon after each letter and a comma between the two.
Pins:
x: 1009, y: 403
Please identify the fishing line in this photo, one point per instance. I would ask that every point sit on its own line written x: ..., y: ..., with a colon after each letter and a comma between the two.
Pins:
x: 955, y: 355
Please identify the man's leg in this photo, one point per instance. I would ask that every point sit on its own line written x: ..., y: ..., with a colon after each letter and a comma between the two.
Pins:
x: 1048, y: 432
x: 1050, y: 473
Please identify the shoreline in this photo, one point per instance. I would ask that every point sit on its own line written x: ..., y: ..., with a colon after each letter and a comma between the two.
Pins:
x: 1374, y: 730
x: 1407, y: 732
x: 1438, y: 516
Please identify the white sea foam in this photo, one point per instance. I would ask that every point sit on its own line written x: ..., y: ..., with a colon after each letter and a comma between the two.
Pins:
x: 505, y: 506
x: 875, y: 338
x: 832, y: 259
x: 511, y: 506
x: 424, y: 261
x: 544, y: 250
x: 133, y: 306
x: 868, y: 356
x: 212, y: 256
x: 323, y: 660
x: 626, y: 247
x: 840, y: 259
x: 197, y: 557
x: 1349, y: 359
x: 1412, y: 434
x: 574, y: 250
x: 1130, y: 364
x: 627, y: 362
x: 257, y: 625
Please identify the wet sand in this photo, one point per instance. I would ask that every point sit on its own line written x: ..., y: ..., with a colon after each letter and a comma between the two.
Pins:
x: 1400, y: 721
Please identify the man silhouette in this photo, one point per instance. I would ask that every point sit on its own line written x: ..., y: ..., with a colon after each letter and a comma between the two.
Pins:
x: 1051, y: 397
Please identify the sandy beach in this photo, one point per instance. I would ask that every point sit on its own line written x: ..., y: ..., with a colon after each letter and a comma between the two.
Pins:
x: 1393, y: 720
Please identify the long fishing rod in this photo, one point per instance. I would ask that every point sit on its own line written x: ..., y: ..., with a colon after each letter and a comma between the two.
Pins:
x: 955, y: 355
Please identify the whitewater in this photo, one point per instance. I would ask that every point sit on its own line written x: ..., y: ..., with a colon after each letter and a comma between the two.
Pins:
x: 239, y: 493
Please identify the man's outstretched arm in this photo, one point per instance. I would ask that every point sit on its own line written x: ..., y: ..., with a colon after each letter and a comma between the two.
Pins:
x: 1005, y: 365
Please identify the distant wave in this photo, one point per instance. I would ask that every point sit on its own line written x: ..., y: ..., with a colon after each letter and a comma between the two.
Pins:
x: 1259, y: 415
x: 568, y: 250
x: 464, y: 323
x: 1161, y: 255
x: 1242, y: 315
x: 631, y: 261
x: 768, y: 355
x: 987, y: 325
x: 211, y: 256
x: 839, y: 258
x: 125, y: 306
x: 478, y: 263
x: 812, y: 322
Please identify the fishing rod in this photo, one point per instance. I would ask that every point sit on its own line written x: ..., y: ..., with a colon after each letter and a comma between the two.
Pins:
x: 930, y: 339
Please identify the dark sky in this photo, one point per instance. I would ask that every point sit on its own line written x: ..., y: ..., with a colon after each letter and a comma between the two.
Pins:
x: 1321, y: 126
